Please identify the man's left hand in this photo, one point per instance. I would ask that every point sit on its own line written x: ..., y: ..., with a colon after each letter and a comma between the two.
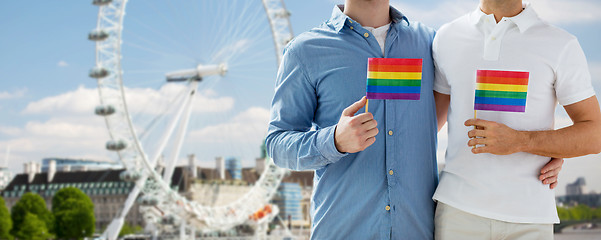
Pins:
x: 497, y: 138
x: 550, y: 172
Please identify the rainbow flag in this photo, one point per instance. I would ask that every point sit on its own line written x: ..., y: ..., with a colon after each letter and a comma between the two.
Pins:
x: 394, y: 78
x: 501, y: 90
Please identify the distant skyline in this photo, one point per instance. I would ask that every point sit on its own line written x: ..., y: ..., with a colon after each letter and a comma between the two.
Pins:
x: 47, y: 99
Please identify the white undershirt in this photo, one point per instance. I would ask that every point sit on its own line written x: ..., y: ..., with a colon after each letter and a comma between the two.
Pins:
x: 380, y: 34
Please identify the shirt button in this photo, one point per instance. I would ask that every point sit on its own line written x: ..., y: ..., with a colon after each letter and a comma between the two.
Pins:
x: 390, y: 132
x: 390, y: 172
x: 366, y: 34
x: 351, y: 27
x: 493, y: 38
x: 387, y: 208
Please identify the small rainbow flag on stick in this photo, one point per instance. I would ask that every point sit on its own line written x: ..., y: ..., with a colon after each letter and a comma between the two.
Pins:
x: 501, y: 90
x: 394, y: 78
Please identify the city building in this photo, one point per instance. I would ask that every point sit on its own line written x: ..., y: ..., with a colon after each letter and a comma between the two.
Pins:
x: 5, y: 176
x: 104, y: 187
x: 63, y: 164
x: 217, y: 187
x: 576, y: 188
x: 289, y: 199
x: 234, y: 168
x: 576, y: 194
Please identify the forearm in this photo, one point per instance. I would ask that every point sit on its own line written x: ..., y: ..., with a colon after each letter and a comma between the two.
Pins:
x: 298, y: 150
x: 580, y: 139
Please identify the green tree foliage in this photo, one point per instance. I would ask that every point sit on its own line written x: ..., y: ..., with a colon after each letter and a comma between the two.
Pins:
x: 35, y: 205
x: 6, y: 223
x: 597, y: 213
x: 33, y: 228
x: 579, y: 212
x: 74, y: 214
x: 129, y: 229
x: 564, y: 213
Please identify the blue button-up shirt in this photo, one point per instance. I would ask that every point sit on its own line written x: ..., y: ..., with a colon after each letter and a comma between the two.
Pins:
x: 385, y: 191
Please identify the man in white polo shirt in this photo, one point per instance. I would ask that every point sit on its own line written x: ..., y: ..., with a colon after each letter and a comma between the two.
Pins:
x: 491, y: 191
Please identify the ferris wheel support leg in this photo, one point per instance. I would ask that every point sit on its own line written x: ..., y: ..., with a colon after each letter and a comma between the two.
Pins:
x: 182, y: 230
x: 181, y: 134
x: 112, y: 231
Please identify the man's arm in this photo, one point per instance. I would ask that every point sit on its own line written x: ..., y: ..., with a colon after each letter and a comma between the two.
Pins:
x: 548, y: 174
x: 290, y: 141
x: 442, y: 107
x: 581, y: 138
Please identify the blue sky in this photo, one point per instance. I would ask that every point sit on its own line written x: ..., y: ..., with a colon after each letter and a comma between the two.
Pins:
x: 47, y: 100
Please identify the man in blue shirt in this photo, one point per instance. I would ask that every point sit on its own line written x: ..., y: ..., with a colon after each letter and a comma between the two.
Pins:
x: 382, y: 191
x: 363, y: 188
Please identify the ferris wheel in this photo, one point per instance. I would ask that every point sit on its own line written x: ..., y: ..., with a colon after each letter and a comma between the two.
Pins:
x: 193, y: 77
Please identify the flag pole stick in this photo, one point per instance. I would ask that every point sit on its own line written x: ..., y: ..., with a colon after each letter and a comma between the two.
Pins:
x: 367, y: 105
x: 475, y: 114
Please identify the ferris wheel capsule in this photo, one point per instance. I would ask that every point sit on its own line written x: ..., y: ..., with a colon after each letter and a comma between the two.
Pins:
x: 98, y: 35
x: 168, y: 220
x: 148, y: 201
x: 98, y: 72
x: 130, y: 176
x: 104, y: 110
x: 116, y: 145
x: 101, y: 2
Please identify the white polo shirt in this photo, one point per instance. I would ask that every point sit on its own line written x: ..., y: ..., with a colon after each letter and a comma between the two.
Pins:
x: 504, y: 188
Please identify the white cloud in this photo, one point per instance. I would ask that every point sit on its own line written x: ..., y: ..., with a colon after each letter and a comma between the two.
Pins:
x: 62, y: 63
x: 437, y: 15
x: 63, y: 136
x: 82, y: 100
x: 64, y: 129
x: 72, y: 130
x: 11, y: 131
x: 249, y: 126
x: 10, y: 95
x: 140, y: 100
x: 150, y: 101
x: 553, y: 11
x: 567, y: 12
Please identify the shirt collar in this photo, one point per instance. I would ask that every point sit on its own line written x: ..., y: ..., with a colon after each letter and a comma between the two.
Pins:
x: 526, y: 19
x: 339, y: 19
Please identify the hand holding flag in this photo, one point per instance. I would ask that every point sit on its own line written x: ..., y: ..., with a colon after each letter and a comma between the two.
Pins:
x: 355, y: 133
x: 498, y: 91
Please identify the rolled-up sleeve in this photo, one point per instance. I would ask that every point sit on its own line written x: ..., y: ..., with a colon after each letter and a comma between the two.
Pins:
x: 291, y: 142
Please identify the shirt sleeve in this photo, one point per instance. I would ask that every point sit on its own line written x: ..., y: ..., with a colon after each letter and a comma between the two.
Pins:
x: 573, y: 80
x: 441, y: 84
x: 291, y: 142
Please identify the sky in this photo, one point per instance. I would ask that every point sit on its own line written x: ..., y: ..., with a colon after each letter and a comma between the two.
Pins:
x: 47, y: 99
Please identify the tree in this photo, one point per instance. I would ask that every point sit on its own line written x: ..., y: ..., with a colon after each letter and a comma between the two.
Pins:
x: 129, y: 229
x: 564, y: 213
x: 73, y: 213
x: 33, y: 204
x: 33, y: 228
x: 6, y: 222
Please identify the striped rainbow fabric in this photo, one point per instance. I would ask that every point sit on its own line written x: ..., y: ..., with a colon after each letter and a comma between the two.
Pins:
x: 394, y: 78
x: 501, y: 90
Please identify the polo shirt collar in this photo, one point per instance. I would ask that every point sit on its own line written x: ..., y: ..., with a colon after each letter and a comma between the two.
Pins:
x: 526, y: 19
x: 339, y: 19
